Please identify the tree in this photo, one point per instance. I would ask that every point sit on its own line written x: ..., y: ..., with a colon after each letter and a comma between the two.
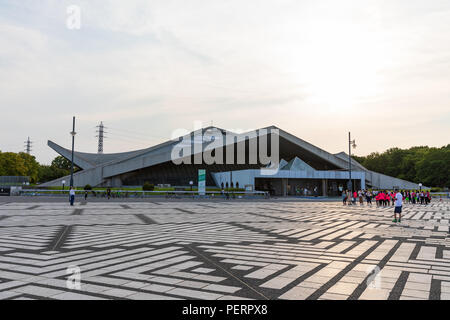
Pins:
x: 23, y: 164
x: 59, y: 167
x: 62, y: 163
x: 49, y: 173
x: 434, y: 168
x: 11, y: 164
x: 31, y: 166
x: 429, y: 166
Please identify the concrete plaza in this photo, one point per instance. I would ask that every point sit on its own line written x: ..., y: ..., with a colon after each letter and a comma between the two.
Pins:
x: 162, y: 249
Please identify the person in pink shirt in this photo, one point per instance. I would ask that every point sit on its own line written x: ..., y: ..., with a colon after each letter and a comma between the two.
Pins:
x: 383, y: 198
x: 427, y: 198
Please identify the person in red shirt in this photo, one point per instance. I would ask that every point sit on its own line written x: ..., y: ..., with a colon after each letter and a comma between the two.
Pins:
x: 383, y: 198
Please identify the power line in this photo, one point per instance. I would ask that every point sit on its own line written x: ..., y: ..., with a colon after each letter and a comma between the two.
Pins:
x: 136, y: 134
x: 115, y: 135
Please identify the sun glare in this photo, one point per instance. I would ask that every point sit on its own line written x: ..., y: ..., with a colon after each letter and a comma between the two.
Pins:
x: 340, y: 64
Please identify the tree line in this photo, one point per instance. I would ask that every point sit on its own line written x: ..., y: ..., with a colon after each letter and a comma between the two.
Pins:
x: 23, y: 164
x: 429, y: 166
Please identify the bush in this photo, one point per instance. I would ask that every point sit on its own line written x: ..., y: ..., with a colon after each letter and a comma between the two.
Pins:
x: 148, y: 186
x: 87, y: 187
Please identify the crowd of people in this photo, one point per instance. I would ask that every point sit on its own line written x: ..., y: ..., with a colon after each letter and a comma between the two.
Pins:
x: 385, y: 198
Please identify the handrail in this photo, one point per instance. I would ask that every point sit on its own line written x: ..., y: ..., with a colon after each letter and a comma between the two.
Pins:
x: 141, y: 193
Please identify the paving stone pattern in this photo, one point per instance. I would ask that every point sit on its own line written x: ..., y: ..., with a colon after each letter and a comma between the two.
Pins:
x: 224, y: 250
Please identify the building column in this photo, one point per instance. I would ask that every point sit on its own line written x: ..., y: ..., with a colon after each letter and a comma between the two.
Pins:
x: 284, y: 183
x: 324, y: 187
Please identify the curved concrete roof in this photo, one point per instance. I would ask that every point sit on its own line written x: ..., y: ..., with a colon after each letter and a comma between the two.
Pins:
x: 86, y: 160
x: 344, y: 156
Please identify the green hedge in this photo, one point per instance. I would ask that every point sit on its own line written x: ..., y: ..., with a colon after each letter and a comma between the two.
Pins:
x: 148, y: 186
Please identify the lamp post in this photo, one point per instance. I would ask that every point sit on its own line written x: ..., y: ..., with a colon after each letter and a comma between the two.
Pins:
x: 351, y: 143
x: 73, y: 133
x: 420, y: 187
x: 63, y: 183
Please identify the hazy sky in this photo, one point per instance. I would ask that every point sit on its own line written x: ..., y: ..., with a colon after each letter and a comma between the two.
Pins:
x: 316, y: 69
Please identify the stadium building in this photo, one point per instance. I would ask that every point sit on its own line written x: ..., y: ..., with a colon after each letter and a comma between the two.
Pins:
x: 299, y: 165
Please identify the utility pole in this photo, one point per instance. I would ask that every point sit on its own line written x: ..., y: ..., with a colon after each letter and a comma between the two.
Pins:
x: 28, y: 144
x: 73, y: 133
x: 101, y: 135
x: 350, y: 144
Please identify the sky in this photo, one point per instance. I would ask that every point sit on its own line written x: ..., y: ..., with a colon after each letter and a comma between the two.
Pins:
x: 147, y: 69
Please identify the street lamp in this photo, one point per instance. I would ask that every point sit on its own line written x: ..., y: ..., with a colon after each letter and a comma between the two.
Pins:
x: 73, y: 133
x: 63, y: 183
x: 351, y: 143
x: 420, y: 187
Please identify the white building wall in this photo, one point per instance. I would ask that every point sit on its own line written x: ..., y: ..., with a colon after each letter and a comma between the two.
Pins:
x: 245, y: 177
x: 382, y: 181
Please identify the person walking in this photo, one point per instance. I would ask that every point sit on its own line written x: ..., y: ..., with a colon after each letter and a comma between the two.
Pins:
x: 369, y: 198
x: 344, y: 198
x: 427, y: 197
x: 355, y: 195
x: 360, y: 195
x: 398, y: 206
x: 382, y: 198
x: 71, y: 196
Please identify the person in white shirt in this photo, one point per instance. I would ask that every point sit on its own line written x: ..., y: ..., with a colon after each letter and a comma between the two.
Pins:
x: 398, y: 206
x: 71, y: 196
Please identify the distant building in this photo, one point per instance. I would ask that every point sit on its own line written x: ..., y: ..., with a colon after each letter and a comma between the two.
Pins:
x: 9, y: 181
x: 302, y: 167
